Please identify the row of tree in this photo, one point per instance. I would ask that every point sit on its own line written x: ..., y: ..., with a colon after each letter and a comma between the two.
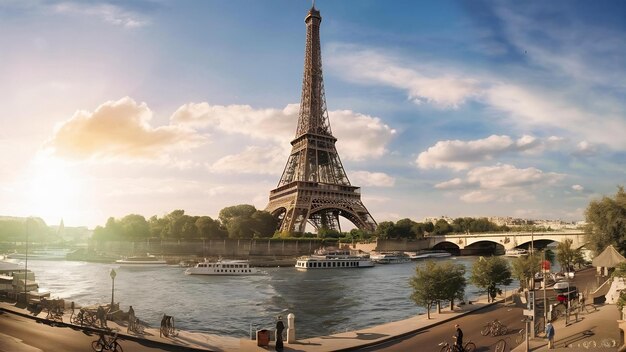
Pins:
x: 240, y: 222
x: 437, y: 282
x: 409, y: 229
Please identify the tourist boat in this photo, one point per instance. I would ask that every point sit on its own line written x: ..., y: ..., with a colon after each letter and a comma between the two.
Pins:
x: 334, y: 259
x: 515, y: 252
x: 389, y: 257
x: 428, y: 254
x: 223, y: 267
x: 140, y: 261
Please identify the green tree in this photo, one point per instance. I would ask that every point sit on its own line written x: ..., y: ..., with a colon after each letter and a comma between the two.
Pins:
x: 490, y: 272
x: 264, y: 224
x: 453, y: 286
x: 525, y: 267
x: 565, y: 254
x: 385, y: 230
x: 606, y: 222
x: 209, y: 228
x: 134, y: 228
x: 425, y: 290
x: 442, y: 227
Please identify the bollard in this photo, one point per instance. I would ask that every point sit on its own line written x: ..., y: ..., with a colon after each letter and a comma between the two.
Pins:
x: 291, y: 328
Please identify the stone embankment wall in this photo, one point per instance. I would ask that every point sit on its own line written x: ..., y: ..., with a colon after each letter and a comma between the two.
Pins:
x: 211, y: 248
x: 402, y: 245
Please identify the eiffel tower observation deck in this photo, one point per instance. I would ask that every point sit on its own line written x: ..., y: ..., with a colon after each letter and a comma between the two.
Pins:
x: 314, y: 187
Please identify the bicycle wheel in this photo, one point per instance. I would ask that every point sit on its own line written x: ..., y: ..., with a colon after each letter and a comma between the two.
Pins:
x: 117, y: 347
x: 504, y: 330
x: 470, y: 347
x: 97, y: 346
x: 485, y: 331
x: 500, y: 345
x: 445, y: 348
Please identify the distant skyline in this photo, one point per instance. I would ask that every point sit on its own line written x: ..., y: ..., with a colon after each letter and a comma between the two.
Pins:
x: 440, y: 108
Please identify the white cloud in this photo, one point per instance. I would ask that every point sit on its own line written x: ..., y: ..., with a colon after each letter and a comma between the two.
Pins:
x: 501, y: 183
x: 422, y: 83
x: 506, y: 176
x: 109, y: 13
x: 119, y: 130
x: 460, y: 155
x: 455, y: 183
x: 254, y: 159
x: 585, y: 148
x: 375, y: 179
x: 359, y: 136
x: 578, y: 188
x: 522, y: 104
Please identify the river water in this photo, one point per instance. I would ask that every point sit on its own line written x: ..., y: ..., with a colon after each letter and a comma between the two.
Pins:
x: 323, y: 301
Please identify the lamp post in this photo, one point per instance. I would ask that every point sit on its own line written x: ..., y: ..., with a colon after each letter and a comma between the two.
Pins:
x: 26, y: 266
x: 113, y: 273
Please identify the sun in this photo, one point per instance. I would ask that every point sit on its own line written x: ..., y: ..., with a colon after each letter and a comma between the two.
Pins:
x: 53, y: 188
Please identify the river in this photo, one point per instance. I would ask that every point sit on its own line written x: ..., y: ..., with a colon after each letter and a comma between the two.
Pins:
x: 323, y: 301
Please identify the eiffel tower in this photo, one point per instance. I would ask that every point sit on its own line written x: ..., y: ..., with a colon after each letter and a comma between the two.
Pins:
x: 314, y: 186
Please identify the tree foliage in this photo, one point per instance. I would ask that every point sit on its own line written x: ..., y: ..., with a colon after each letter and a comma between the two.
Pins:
x: 565, y: 254
x: 242, y: 221
x: 490, y: 272
x: 525, y: 267
x: 435, y: 282
x: 606, y: 222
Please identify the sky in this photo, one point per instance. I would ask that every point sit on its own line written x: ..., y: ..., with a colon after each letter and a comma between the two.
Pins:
x: 440, y: 108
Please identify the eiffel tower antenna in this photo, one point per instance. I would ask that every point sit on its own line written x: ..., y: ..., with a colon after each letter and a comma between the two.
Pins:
x: 314, y: 187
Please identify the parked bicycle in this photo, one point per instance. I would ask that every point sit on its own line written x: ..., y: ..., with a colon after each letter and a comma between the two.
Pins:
x: 135, y: 326
x: 446, y: 347
x: 106, y: 344
x: 495, y: 328
x: 167, y: 326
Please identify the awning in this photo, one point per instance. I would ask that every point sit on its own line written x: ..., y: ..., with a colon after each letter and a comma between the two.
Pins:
x: 609, y: 258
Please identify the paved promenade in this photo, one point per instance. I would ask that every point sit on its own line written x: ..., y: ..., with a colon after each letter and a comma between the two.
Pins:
x: 588, y: 333
x: 339, y: 342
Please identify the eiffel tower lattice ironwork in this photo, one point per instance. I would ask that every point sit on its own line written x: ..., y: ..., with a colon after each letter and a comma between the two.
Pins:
x: 314, y: 187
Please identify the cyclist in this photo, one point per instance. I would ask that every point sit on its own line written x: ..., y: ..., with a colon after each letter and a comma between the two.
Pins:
x: 459, y: 338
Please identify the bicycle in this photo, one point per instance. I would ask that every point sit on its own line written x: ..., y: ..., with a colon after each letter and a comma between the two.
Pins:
x: 494, y: 328
x: 167, y: 326
x: 446, y: 347
x: 501, y: 345
x: 104, y: 344
x: 135, y: 326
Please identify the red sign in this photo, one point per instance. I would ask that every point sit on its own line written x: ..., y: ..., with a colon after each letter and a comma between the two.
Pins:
x: 546, y: 265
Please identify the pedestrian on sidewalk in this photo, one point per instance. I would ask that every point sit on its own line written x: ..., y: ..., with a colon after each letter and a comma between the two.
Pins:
x: 280, y: 326
x: 550, y: 335
x: 102, y: 316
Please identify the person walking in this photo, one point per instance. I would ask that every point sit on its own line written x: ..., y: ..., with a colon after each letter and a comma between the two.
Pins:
x: 280, y: 326
x: 550, y: 335
x: 131, y: 320
x: 102, y: 316
x: 458, y: 336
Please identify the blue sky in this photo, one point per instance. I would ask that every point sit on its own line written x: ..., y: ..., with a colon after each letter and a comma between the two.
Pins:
x: 456, y: 108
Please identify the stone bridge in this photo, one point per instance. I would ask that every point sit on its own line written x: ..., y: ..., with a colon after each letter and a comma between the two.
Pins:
x: 508, y: 240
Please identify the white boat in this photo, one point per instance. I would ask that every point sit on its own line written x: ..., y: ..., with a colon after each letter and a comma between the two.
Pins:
x: 223, y: 267
x: 428, y: 254
x: 515, y: 252
x: 389, y: 257
x: 139, y: 261
x: 334, y: 259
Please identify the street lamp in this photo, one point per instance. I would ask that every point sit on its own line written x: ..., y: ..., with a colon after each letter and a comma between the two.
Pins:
x: 26, y: 265
x: 113, y: 273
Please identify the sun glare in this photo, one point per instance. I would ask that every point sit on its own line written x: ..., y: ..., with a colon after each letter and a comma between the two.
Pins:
x: 52, y: 189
